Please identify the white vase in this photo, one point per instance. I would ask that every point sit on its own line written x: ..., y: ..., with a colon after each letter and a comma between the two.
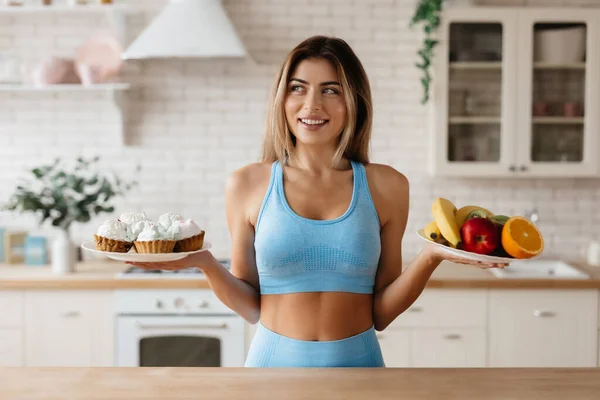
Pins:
x: 63, y: 253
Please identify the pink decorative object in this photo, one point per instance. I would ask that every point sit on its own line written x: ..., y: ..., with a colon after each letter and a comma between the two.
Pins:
x: 572, y: 109
x: 53, y: 71
x: 98, y: 59
x: 541, y: 109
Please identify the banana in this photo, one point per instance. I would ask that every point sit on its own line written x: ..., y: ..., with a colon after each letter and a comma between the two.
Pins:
x: 432, y: 232
x: 461, y: 214
x: 444, y: 215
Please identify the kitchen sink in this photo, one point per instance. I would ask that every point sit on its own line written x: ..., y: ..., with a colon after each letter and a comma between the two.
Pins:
x: 539, y: 269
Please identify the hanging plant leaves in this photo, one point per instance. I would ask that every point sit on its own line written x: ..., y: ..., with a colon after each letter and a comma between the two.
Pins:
x: 427, y: 13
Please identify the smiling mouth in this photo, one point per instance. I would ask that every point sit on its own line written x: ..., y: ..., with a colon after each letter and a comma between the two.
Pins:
x: 313, y: 123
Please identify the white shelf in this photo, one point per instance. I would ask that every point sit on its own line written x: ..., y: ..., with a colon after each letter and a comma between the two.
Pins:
x: 474, y: 120
x: 478, y: 65
x: 558, y: 120
x: 91, y: 8
x: 540, y: 65
x: 64, y: 88
x: 115, y: 89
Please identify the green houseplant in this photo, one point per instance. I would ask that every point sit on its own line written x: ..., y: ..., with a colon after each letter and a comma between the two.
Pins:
x: 427, y: 13
x: 63, y: 196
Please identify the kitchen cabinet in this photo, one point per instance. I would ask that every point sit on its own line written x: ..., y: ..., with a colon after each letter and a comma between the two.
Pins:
x: 443, y: 328
x: 11, y: 329
x: 395, y: 347
x: 69, y: 328
x: 516, y: 93
x: 543, y: 328
x: 11, y: 347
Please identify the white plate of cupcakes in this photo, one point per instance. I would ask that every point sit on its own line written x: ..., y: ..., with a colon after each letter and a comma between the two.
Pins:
x: 134, y: 237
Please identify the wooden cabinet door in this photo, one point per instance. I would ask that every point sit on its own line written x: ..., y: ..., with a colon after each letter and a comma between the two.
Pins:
x: 474, y: 92
x: 11, y: 347
x: 543, y: 328
x: 559, y: 91
x: 395, y: 347
x: 71, y: 328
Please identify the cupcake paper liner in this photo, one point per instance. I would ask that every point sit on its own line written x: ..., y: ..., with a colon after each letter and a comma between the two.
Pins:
x: 154, y: 246
x: 112, y: 245
x: 190, y: 244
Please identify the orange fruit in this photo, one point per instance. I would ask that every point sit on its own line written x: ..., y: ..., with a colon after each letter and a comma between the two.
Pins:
x: 521, y: 238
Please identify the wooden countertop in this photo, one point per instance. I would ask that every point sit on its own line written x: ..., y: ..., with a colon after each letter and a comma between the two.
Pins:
x: 88, y: 275
x: 331, y: 384
x: 102, y: 274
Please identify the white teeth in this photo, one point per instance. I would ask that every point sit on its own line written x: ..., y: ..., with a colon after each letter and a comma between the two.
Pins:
x: 313, y: 121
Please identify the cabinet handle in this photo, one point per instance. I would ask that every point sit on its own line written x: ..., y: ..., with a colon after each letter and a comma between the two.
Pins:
x: 544, y: 314
x: 513, y: 168
x: 222, y: 325
x: 523, y: 168
x: 70, y: 314
x: 415, y: 309
x: 452, y: 336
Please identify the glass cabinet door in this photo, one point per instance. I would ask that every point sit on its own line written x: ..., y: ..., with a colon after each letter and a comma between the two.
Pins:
x: 478, y: 80
x: 559, y: 54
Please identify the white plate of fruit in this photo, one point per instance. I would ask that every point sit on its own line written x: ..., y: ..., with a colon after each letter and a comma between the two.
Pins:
x: 475, y: 233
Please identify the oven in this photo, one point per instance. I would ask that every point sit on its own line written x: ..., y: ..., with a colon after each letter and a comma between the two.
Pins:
x: 176, y: 328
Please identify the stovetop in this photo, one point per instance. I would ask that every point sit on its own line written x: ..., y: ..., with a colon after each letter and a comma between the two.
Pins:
x: 188, y: 273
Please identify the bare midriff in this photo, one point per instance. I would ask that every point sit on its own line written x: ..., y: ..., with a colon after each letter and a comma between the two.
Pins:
x: 320, y: 316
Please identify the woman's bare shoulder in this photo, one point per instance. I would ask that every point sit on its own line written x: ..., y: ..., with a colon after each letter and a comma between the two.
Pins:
x: 249, y: 179
x: 387, y: 178
x: 389, y: 190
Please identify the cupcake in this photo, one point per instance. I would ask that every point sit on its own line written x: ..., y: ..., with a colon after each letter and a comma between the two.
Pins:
x: 154, y: 239
x: 188, y: 234
x: 112, y: 236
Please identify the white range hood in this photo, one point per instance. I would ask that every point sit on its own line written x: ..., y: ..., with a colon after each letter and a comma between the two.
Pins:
x: 188, y: 28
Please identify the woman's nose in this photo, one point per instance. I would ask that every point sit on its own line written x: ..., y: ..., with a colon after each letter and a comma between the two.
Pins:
x: 313, y: 101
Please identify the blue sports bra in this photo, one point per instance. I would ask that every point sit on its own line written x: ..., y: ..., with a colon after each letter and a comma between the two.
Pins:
x: 297, y: 254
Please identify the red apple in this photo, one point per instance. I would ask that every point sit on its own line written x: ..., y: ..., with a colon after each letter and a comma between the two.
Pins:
x: 479, y: 235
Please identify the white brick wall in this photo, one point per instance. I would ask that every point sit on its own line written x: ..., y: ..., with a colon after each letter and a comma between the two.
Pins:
x: 191, y: 123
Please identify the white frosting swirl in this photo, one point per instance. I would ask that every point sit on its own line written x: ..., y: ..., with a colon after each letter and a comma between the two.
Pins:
x: 167, y: 219
x: 185, y: 229
x: 153, y: 232
x: 113, y: 229
x: 133, y: 217
x: 134, y: 229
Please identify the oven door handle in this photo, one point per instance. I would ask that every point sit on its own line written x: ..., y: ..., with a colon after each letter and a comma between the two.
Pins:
x: 222, y: 325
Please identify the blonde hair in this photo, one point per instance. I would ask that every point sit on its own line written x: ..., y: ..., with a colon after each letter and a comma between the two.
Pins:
x: 279, y: 143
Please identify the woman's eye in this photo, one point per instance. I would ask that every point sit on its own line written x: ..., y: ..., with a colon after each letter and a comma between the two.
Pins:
x: 296, y: 88
x: 330, y: 91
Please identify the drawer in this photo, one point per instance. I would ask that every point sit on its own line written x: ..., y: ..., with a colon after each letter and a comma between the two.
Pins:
x: 448, y: 348
x: 11, y: 347
x: 446, y: 308
x: 11, y: 309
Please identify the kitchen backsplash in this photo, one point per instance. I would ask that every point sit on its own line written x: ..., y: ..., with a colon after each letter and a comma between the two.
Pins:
x: 191, y: 123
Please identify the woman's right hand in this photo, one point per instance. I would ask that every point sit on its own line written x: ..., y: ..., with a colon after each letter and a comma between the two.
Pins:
x: 201, y: 260
x: 440, y: 255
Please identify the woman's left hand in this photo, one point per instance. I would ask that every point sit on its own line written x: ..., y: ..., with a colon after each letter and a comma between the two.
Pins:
x: 442, y: 255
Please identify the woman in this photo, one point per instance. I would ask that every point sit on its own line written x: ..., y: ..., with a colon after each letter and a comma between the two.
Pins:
x: 316, y: 229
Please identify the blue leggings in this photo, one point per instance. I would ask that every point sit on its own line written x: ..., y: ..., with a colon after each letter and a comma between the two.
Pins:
x: 270, y: 349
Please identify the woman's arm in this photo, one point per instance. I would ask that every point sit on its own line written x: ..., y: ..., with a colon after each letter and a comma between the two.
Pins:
x: 238, y: 289
x: 395, y: 291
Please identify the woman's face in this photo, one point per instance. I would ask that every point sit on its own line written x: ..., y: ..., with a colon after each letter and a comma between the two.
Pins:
x: 314, y: 106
